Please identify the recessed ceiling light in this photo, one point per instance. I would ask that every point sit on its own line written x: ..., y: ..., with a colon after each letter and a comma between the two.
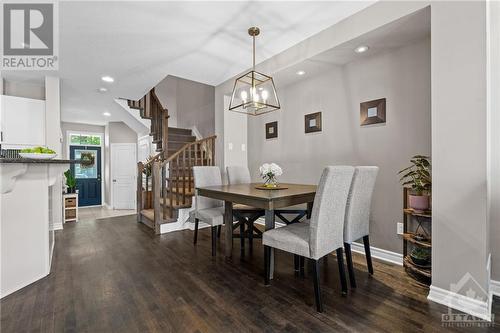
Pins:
x: 301, y: 73
x: 361, y: 49
x: 103, y: 90
x: 106, y: 114
x: 107, y: 78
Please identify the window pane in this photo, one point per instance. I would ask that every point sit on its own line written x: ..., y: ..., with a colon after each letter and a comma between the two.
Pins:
x: 75, y: 138
x: 85, y: 140
x: 88, y: 168
x: 96, y: 140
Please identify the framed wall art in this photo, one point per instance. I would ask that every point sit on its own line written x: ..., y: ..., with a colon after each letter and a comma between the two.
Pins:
x: 272, y: 130
x: 372, y: 112
x: 312, y: 122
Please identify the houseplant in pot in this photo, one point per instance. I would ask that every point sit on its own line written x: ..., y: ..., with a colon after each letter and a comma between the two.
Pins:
x: 421, y: 256
x: 417, y: 177
x: 70, y: 182
x: 147, y: 193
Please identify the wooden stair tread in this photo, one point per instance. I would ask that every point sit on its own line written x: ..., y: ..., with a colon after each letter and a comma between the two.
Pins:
x: 181, y: 131
x: 150, y: 215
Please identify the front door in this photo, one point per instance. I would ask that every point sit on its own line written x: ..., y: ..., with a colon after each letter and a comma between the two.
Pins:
x: 87, y: 174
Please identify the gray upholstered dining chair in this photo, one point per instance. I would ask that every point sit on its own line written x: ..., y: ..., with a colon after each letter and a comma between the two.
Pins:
x: 207, y: 210
x: 246, y: 215
x: 357, y: 218
x: 324, y: 231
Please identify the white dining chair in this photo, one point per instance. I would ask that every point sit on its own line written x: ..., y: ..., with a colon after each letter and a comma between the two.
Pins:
x: 320, y: 235
x: 357, y: 218
x: 207, y: 210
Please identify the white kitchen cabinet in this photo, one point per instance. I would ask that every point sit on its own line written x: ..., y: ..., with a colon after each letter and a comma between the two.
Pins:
x: 22, y: 121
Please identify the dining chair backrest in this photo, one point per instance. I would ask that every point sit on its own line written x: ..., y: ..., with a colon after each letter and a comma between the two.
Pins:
x: 238, y: 175
x: 357, y: 217
x: 206, y: 176
x: 328, y: 213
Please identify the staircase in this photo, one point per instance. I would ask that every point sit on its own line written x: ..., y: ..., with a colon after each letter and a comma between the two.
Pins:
x: 165, y: 183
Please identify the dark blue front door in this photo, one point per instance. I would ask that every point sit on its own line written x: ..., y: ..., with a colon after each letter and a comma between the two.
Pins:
x: 87, y: 174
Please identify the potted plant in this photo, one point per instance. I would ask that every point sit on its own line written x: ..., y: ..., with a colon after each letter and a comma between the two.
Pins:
x: 418, y: 178
x: 148, y: 194
x: 270, y: 172
x: 70, y: 182
x: 420, y: 256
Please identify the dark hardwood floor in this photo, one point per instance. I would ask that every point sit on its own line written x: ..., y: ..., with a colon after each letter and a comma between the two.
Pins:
x: 112, y: 275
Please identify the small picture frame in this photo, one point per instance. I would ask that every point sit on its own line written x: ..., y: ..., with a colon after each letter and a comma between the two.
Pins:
x: 312, y: 122
x: 272, y: 130
x: 372, y: 112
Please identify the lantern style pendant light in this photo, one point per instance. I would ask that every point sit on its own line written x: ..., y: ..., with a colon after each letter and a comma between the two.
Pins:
x: 254, y: 93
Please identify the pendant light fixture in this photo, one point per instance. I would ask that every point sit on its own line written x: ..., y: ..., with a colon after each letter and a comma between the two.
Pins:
x: 254, y: 93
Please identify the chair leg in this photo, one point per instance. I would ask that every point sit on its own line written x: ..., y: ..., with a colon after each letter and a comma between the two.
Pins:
x: 340, y: 261
x: 214, y: 240
x: 242, y: 237
x: 296, y: 264
x: 317, y: 288
x: 250, y: 237
x: 366, y: 242
x: 196, y: 222
x: 350, y: 268
x: 219, y: 228
x: 267, y: 265
x: 301, y: 266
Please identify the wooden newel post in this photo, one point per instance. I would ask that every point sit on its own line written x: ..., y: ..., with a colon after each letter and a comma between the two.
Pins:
x: 156, y: 179
x: 140, y: 168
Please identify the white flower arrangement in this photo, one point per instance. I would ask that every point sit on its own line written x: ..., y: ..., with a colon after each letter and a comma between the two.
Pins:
x: 269, y: 172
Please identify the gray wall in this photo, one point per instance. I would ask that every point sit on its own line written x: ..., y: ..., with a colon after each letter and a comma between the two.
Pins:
x: 403, y: 78
x: 115, y: 132
x: 495, y: 139
x: 189, y: 103
x: 459, y: 146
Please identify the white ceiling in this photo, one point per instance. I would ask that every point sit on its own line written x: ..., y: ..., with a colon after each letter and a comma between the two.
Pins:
x: 399, y: 33
x: 139, y: 43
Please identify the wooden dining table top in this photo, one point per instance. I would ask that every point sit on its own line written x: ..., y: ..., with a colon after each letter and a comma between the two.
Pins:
x: 248, y: 194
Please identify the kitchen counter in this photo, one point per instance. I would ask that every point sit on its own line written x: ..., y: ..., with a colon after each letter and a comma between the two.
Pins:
x: 30, y: 212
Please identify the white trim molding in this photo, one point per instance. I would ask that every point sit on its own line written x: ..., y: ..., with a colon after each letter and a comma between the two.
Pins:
x: 477, y: 308
x: 495, y: 287
x: 384, y: 255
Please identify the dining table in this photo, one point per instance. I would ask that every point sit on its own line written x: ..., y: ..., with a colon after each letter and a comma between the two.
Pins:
x: 255, y: 195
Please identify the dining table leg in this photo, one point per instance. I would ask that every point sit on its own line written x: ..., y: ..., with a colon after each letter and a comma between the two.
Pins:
x: 270, y: 225
x: 309, y: 209
x: 228, y: 222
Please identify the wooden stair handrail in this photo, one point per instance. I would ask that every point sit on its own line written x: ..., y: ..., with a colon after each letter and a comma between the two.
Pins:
x: 186, y: 146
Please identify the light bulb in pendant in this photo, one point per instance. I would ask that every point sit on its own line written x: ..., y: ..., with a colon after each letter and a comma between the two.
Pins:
x: 244, y: 96
x: 264, y: 95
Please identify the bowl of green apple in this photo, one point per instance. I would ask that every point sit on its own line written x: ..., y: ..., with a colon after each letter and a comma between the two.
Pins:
x: 38, y: 153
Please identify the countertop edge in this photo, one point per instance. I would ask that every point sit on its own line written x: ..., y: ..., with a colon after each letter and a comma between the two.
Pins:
x: 34, y: 161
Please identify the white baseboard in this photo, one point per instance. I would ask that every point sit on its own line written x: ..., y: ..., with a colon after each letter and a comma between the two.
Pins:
x: 182, y: 223
x: 57, y: 226
x: 460, y: 302
x: 495, y: 287
x: 384, y: 255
